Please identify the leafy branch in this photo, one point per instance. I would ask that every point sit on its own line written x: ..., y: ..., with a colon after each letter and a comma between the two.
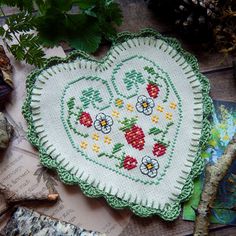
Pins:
x: 82, y: 23
x: 27, y: 45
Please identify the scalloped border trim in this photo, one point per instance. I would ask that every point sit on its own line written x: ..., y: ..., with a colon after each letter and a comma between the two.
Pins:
x: 171, y: 211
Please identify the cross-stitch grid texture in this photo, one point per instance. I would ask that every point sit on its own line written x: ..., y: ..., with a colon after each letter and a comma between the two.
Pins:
x: 129, y: 128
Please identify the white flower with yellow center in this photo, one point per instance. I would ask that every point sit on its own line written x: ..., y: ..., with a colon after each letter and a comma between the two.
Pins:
x: 149, y: 166
x: 145, y: 105
x: 103, y: 123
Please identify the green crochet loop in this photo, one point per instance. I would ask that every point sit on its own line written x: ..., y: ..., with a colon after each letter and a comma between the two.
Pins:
x: 171, y: 211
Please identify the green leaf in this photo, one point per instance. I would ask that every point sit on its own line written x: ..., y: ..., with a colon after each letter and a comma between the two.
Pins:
x: 90, y: 95
x: 51, y: 27
x: 5, y: 34
x: 205, y: 155
x: 29, y: 50
x: 87, y: 35
x: 21, y: 4
x: 117, y: 147
x: 62, y: 5
x: 71, y: 103
x: 17, y: 51
x: 133, y: 78
x: 113, y: 12
x: 84, y: 5
x: 154, y: 131
x: 108, y: 30
x: 91, y: 20
x: 21, y: 22
x: 2, y: 31
x: 128, y: 123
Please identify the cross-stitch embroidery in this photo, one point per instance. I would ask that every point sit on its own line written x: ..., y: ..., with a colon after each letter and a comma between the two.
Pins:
x: 116, y: 126
x: 134, y: 134
x: 113, y: 118
x: 103, y: 123
x: 149, y: 166
x: 145, y: 105
x: 130, y: 163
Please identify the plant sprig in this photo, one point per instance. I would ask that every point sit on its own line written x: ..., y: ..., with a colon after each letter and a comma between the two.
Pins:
x: 82, y: 23
x: 27, y: 45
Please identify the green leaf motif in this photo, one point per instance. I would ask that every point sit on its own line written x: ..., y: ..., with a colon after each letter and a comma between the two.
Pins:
x: 71, y: 103
x: 90, y: 96
x: 132, y: 79
x: 117, y: 147
x: 154, y: 131
x: 128, y: 123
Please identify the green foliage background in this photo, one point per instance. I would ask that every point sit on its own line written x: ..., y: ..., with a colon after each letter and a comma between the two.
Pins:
x: 81, y: 23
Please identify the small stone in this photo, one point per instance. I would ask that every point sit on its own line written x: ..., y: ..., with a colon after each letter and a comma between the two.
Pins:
x: 5, y: 132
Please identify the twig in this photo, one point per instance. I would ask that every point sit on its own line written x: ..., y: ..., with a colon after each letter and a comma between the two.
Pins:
x: 214, y: 174
x: 12, y: 199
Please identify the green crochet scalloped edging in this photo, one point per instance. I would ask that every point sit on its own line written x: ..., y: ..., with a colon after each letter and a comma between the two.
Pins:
x: 170, y: 212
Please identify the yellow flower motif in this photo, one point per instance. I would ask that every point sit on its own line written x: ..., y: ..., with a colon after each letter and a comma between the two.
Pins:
x: 95, y: 136
x: 173, y: 105
x: 119, y: 102
x: 222, y: 126
x: 168, y: 116
x: 129, y: 107
x: 213, y: 143
x: 115, y: 114
x: 84, y: 144
x: 107, y: 139
x: 226, y: 137
x: 160, y: 108
x: 155, y: 119
x: 96, y: 148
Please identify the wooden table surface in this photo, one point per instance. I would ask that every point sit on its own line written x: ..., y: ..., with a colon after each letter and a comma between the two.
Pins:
x: 223, y: 87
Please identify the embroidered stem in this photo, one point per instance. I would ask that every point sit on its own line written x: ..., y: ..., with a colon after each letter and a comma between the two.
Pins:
x: 165, y: 132
x: 77, y: 115
x: 109, y: 155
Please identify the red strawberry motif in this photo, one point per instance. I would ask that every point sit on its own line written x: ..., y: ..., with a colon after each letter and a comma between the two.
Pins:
x: 153, y: 90
x: 135, y: 137
x: 129, y: 163
x: 85, y: 119
x: 133, y: 133
x: 159, y: 149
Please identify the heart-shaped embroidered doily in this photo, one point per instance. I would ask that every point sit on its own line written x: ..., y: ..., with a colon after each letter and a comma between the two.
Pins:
x: 129, y: 128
